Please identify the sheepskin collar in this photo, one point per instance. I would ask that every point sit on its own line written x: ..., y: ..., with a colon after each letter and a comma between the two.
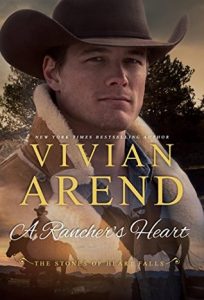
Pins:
x: 50, y: 127
x: 50, y: 122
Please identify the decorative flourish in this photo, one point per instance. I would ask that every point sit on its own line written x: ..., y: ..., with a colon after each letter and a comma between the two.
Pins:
x: 22, y: 260
x: 176, y: 260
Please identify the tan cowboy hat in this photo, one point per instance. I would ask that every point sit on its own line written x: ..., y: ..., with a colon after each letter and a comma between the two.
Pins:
x: 27, y: 35
x: 41, y: 210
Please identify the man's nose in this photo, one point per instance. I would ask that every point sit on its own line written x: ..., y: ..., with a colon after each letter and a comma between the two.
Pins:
x: 117, y: 76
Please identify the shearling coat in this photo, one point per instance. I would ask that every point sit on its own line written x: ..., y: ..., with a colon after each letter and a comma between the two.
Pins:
x: 49, y: 127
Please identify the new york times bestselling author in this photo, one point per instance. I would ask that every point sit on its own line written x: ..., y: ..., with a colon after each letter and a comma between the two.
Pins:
x: 94, y: 57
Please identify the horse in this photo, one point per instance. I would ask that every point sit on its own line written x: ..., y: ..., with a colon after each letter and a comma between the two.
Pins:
x: 61, y: 250
x: 114, y: 216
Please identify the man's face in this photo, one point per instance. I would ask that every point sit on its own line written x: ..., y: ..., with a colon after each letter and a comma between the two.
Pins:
x: 101, y: 88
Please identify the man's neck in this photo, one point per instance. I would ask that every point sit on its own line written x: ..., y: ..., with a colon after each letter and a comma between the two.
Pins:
x: 89, y: 136
x: 102, y: 139
x: 107, y: 150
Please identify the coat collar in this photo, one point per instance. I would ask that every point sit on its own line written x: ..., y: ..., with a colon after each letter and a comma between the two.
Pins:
x: 52, y: 126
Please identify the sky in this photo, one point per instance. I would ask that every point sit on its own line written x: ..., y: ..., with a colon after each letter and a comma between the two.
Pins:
x: 162, y: 16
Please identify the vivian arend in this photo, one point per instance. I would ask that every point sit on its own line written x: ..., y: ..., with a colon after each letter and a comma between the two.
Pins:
x: 140, y: 228
x: 68, y: 180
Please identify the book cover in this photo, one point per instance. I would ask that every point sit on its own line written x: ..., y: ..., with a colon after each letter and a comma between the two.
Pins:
x: 101, y: 174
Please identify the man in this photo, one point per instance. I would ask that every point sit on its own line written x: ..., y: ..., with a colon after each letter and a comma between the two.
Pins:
x: 39, y: 222
x: 94, y: 57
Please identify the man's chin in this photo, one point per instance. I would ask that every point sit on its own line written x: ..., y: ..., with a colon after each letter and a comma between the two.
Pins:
x: 116, y: 126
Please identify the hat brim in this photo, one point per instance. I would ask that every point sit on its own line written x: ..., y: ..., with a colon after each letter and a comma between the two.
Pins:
x: 27, y: 35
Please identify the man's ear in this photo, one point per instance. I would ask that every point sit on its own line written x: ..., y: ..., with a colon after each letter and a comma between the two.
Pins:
x: 51, y: 73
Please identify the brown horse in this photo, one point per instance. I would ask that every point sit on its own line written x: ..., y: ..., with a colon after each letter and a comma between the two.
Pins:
x: 138, y: 248
x: 22, y: 244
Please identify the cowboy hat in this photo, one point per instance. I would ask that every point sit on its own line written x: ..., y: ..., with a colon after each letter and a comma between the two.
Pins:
x: 41, y: 210
x: 27, y: 35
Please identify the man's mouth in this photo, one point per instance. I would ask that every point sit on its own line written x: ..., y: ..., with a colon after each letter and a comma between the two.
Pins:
x: 115, y: 98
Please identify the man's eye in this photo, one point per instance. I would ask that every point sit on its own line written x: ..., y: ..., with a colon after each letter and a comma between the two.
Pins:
x: 96, y: 59
x: 132, y: 60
